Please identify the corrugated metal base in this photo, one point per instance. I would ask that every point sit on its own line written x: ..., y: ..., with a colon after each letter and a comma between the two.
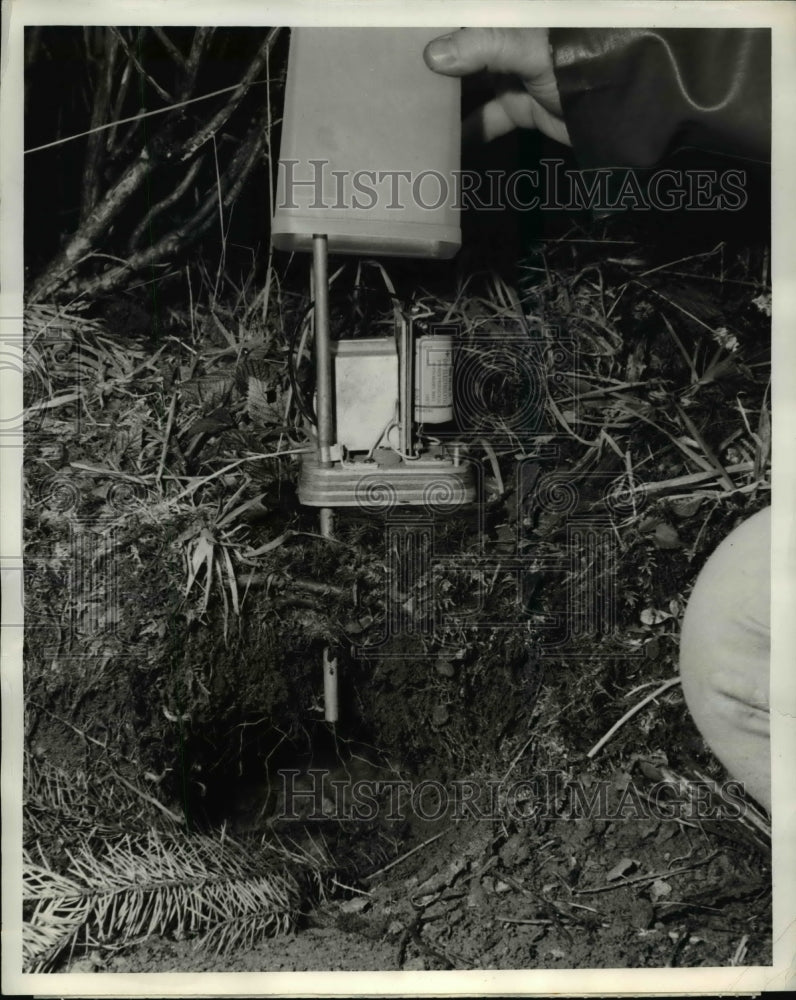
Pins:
x: 436, y: 484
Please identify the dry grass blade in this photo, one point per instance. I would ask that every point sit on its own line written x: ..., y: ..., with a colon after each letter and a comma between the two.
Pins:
x: 671, y: 682
x: 709, y: 453
x: 751, y: 816
x: 202, y: 557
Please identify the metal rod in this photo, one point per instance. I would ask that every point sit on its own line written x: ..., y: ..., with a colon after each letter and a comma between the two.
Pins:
x: 405, y: 361
x: 327, y: 521
x: 330, y: 698
x: 330, y: 701
x: 323, y: 350
x: 326, y: 434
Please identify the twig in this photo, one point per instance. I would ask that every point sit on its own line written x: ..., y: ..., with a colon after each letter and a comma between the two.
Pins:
x: 162, y: 92
x: 219, y: 198
x: 80, y: 732
x: 681, y: 260
x: 170, y: 47
x: 518, y: 756
x: 524, y: 920
x: 630, y: 713
x: 69, y: 725
x: 180, y: 820
x: 403, y: 857
x: 165, y: 145
x: 83, y: 241
x: 268, y: 130
x: 350, y: 888
x: 639, y: 879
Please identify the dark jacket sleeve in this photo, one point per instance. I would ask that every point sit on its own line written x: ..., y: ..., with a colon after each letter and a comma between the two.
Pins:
x: 633, y: 96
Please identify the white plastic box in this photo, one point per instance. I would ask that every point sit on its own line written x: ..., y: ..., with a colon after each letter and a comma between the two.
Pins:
x: 370, y: 145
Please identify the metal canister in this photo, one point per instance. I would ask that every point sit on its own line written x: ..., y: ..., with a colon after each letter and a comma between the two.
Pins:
x: 434, y: 379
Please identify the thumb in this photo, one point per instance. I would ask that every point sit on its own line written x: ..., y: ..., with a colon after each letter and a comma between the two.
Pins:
x: 500, y: 50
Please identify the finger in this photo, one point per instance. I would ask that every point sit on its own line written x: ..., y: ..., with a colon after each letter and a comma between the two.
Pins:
x: 487, y: 123
x: 550, y: 124
x: 507, y: 112
x: 500, y: 50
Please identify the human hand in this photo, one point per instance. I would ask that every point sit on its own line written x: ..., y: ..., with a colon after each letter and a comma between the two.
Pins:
x: 520, y: 60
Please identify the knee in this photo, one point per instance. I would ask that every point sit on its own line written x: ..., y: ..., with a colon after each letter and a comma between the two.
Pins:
x: 724, y: 652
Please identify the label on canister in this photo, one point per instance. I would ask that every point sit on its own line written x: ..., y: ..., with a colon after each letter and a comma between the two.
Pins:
x: 434, y: 379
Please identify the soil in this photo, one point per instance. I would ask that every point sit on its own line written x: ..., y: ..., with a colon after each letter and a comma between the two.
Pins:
x: 514, y: 908
x: 544, y: 886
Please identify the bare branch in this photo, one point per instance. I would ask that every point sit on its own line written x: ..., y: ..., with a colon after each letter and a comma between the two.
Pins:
x: 95, y: 151
x: 174, y: 242
x: 93, y: 226
x: 163, y: 146
x: 234, y: 175
x: 118, y: 104
x: 240, y: 167
x: 201, y: 40
x: 161, y: 206
x: 150, y: 79
x: 170, y: 47
x: 219, y: 119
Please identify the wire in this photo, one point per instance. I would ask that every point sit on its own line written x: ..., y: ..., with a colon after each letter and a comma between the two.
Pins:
x: 392, y: 422
x: 142, y: 114
x: 405, y: 457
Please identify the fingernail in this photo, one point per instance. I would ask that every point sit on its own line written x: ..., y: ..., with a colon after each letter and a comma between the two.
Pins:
x: 442, y: 53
